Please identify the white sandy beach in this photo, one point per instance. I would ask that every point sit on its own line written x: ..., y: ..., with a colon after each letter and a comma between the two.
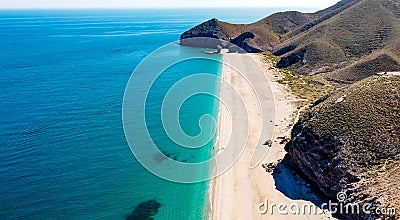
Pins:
x: 237, y: 193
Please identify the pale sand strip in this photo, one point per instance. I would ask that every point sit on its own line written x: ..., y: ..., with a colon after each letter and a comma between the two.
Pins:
x: 237, y: 193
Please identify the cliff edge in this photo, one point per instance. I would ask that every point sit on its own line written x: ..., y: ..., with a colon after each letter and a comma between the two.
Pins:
x: 350, y: 143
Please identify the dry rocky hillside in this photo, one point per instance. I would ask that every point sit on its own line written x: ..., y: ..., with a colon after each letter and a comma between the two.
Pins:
x: 343, y: 41
x: 350, y: 143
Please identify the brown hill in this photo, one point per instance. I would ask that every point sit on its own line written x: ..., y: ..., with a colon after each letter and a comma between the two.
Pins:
x: 344, y: 40
x: 363, y: 32
x: 351, y: 143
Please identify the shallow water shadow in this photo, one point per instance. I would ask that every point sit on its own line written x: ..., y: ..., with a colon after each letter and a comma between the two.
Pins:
x: 145, y: 211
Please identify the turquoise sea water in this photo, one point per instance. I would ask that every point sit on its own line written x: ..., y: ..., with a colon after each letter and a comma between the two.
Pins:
x: 63, y: 153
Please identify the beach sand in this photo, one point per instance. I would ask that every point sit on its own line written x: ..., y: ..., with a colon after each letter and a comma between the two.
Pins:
x: 237, y: 193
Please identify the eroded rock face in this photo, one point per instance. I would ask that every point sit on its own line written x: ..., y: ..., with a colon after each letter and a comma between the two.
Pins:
x: 317, y: 156
x: 206, y: 35
x: 214, y: 34
x: 211, y: 29
x: 350, y: 143
x: 243, y: 41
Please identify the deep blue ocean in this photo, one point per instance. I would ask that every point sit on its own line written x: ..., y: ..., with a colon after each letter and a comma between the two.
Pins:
x: 63, y: 73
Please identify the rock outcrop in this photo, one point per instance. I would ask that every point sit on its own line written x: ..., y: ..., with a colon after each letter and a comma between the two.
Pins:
x: 350, y: 142
x: 211, y: 28
x: 244, y: 42
x: 251, y: 38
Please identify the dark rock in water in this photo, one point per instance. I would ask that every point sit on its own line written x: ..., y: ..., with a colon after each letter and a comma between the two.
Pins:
x: 145, y: 211
x: 160, y: 157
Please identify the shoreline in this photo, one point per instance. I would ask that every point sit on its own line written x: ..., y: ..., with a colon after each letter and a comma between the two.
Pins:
x: 214, y: 181
x: 237, y: 192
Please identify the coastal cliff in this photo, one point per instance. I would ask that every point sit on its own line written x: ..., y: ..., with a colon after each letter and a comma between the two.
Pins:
x: 350, y: 143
